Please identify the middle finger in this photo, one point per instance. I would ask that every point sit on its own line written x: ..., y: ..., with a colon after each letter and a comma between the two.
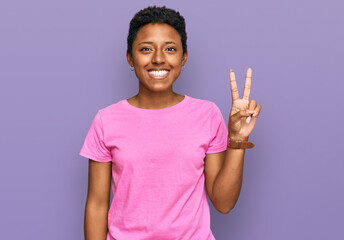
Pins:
x: 247, y: 87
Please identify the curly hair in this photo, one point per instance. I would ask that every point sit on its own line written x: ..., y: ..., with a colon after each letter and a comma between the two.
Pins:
x: 156, y: 15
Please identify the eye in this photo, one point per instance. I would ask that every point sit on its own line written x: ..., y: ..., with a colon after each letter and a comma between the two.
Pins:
x: 171, y: 49
x: 145, y: 49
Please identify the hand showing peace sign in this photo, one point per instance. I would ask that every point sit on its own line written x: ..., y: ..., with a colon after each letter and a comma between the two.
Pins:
x: 244, y: 113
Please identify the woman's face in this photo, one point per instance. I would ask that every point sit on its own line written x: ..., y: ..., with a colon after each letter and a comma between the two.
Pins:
x: 157, y: 56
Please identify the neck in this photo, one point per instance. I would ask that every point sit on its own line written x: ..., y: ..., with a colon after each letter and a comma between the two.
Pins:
x: 155, y: 100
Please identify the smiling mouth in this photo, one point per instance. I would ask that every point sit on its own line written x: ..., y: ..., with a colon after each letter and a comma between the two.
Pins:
x: 158, y: 74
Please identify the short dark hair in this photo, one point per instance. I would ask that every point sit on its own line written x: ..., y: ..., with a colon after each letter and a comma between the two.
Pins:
x: 156, y: 15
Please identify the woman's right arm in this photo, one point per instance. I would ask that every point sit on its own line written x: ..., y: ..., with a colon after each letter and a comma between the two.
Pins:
x: 97, y: 203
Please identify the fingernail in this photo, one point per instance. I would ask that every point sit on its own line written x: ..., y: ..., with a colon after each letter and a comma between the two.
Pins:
x: 231, y: 70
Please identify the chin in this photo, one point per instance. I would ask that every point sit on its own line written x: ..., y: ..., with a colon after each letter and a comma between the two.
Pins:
x: 158, y: 88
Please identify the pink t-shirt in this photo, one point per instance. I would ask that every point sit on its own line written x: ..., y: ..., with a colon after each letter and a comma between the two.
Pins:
x: 157, y: 167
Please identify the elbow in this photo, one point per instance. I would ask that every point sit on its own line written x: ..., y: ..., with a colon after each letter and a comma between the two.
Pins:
x: 226, y: 210
x: 97, y: 204
x: 223, y: 207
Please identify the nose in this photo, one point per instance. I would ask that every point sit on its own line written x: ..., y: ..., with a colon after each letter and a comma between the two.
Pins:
x: 158, y: 57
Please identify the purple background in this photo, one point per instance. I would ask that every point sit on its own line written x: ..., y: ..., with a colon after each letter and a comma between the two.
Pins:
x: 63, y: 60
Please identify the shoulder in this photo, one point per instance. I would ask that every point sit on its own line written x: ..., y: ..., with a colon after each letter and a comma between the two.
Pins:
x: 114, y: 108
x: 203, y: 105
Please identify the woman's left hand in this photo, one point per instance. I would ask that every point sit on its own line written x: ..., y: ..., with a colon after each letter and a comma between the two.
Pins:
x: 244, y: 113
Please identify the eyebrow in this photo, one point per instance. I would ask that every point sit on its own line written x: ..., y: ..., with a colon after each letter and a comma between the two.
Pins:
x: 152, y: 43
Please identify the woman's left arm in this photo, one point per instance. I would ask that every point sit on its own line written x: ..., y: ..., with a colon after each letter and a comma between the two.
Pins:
x: 224, y: 170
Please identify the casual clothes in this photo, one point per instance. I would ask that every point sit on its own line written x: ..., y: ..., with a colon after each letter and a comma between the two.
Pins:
x: 157, y: 167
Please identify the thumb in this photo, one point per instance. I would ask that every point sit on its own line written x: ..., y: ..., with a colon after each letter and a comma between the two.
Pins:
x: 237, y: 116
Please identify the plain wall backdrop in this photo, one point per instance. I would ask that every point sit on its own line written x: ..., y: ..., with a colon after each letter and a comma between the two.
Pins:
x: 61, y: 61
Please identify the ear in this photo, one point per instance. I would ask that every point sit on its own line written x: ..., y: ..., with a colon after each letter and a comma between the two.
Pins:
x: 130, y: 59
x: 184, y: 57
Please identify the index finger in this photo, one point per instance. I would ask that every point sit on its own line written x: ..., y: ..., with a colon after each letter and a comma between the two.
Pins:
x: 247, y: 87
x: 234, y: 87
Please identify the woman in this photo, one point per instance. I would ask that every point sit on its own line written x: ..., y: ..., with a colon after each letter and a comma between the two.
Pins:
x: 161, y: 148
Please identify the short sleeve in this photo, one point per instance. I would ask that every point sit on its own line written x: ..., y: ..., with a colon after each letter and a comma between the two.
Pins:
x: 219, y: 132
x: 94, y: 146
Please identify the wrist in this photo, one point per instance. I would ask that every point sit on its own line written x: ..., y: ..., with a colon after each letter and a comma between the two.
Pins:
x: 239, y: 142
x: 238, y: 138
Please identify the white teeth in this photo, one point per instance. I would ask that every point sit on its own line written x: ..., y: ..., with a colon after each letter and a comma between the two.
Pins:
x: 158, y: 73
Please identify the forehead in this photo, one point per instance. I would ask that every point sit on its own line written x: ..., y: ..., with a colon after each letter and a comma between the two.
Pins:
x: 155, y: 32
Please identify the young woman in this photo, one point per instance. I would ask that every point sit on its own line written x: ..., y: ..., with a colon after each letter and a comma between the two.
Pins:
x: 164, y: 152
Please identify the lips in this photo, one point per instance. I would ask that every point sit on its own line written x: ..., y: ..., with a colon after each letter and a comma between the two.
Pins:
x: 158, y: 74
